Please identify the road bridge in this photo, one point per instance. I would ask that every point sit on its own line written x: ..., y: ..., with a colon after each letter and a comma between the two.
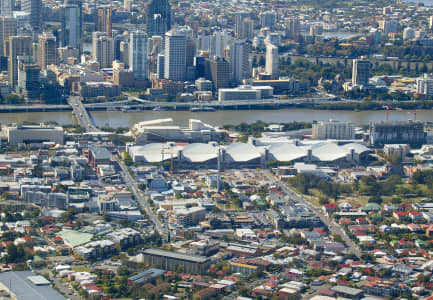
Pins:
x: 81, y: 114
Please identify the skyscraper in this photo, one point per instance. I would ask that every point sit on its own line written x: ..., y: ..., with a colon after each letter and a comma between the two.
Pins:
x: 360, y: 72
x: 160, y: 65
x: 103, y: 21
x: 18, y: 46
x: 138, y: 54
x: 158, y: 17
x: 272, y: 61
x: 154, y: 45
x: 72, y: 24
x: 268, y: 19
x: 293, y: 28
x: 103, y: 51
x: 175, y: 55
x: 388, y: 26
x: 219, y: 42
x: 8, y: 27
x: 33, y: 7
x: 46, y: 50
x: 6, y: 8
x: 239, y: 64
x: 28, y: 78
x: 239, y: 19
x: 217, y: 69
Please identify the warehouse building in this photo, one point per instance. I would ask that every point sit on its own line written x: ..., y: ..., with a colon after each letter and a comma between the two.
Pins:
x: 174, y: 261
x: 25, y: 285
x: 34, y: 134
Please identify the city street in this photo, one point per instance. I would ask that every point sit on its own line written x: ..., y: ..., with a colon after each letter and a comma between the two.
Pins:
x: 132, y: 185
x: 333, y: 227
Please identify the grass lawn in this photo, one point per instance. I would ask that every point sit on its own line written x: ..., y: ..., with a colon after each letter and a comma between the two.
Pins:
x: 81, y: 269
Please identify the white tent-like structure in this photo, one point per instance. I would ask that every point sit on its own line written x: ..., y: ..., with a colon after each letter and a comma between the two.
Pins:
x: 287, y: 152
x: 240, y: 152
x: 199, y: 152
x: 153, y: 153
x: 245, y: 153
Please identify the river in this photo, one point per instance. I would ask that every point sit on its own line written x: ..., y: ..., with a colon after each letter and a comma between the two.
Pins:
x: 218, y: 118
x: 425, y: 2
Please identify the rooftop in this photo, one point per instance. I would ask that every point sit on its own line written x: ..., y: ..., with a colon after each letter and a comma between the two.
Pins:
x: 176, y: 255
x: 24, y: 288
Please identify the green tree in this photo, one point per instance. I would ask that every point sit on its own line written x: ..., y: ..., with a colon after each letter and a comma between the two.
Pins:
x: 12, y: 99
x: 127, y: 158
x: 375, y: 199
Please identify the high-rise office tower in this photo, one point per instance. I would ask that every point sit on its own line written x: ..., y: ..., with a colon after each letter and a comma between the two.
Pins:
x: 6, y: 8
x: 18, y: 46
x: 217, y: 69
x: 103, y: 50
x: 175, y: 55
x: 138, y: 54
x: 28, y: 78
x: 199, y: 64
x: 191, y: 50
x: 293, y: 28
x: 219, y: 42
x: 103, y: 21
x: 360, y: 72
x: 268, y: 19
x: 46, y: 50
x: 204, y: 40
x: 244, y: 28
x: 388, y: 26
x: 247, y: 29
x: 72, y: 24
x: 117, y: 39
x: 124, y: 52
x: 239, y: 64
x: 158, y: 17
x: 239, y: 18
x: 272, y: 61
x: 8, y: 27
x: 154, y: 45
x: 160, y: 65
x: 33, y: 7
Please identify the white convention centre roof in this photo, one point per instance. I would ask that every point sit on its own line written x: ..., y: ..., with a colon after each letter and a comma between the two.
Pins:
x: 240, y: 152
x: 200, y: 152
x: 287, y: 151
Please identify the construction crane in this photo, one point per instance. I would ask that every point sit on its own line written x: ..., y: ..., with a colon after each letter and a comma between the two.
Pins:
x: 170, y: 151
x: 414, y: 114
x: 387, y: 107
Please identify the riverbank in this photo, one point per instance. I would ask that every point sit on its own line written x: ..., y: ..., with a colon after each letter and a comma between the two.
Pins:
x: 330, y: 105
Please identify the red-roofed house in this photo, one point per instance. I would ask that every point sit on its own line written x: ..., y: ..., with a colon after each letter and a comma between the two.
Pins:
x: 400, y: 215
x: 416, y: 215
